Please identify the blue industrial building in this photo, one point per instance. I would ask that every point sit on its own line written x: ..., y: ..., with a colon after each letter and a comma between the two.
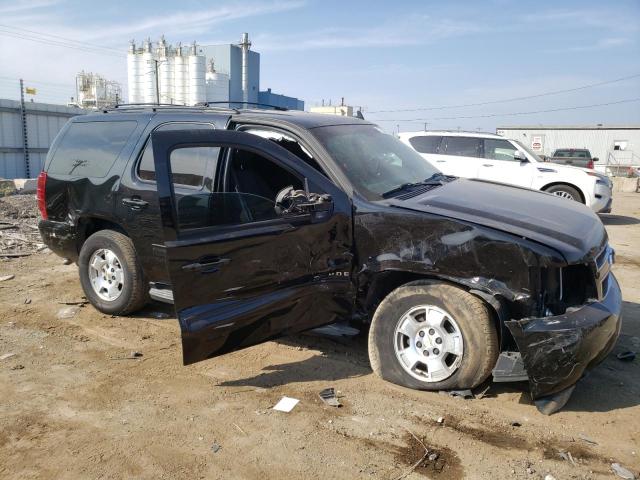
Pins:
x: 269, y: 98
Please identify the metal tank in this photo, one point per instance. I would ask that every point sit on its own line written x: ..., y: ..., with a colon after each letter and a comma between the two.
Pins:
x: 180, y: 77
x: 133, y: 72
x: 217, y: 85
x: 197, y: 73
x: 165, y: 71
x: 148, y: 91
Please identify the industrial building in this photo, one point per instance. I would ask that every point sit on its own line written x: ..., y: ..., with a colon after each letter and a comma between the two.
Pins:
x: 26, y: 133
x: 94, y: 91
x: 163, y: 73
x: 617, y: 147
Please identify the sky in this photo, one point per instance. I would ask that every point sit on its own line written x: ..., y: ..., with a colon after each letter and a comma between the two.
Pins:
x: 406, y: 63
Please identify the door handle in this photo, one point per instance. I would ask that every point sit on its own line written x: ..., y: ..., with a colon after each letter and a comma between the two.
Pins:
x: 134, y: 203
x: 206, y: 263
x: 440, y: 161
x: 487, y: 164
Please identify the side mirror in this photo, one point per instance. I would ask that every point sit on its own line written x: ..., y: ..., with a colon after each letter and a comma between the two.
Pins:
x: 595, y: 159
x: 518, y: 156
x: 300, y: 202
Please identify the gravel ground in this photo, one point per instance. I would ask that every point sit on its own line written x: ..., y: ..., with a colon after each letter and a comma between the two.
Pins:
x: 75, y: 403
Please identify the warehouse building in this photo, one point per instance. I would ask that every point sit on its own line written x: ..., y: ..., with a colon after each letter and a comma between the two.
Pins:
x: 26, y: 135
x: 617, y: 147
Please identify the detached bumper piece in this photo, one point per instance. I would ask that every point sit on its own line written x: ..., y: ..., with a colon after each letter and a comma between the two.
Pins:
x: 556, y: 351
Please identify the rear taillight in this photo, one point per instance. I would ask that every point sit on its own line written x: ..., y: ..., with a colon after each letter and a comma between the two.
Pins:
x: 40, y: 194
x: 590, y: 164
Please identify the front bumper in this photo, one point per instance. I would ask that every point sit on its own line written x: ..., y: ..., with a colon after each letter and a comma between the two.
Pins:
x: 603, y: 198
x: 557, y: 350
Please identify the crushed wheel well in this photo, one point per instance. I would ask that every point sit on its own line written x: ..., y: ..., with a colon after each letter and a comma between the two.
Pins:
x: 554, y: 184
x: 87, y: 226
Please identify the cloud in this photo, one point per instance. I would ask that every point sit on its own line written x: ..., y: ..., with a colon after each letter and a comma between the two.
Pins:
x: 12, y: 7
x: 408, y: 31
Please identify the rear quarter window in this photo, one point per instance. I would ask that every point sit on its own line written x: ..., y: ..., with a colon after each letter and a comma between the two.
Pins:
x: 89, y: 149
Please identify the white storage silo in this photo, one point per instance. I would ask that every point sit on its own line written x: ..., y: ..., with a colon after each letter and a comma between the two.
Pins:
x: 197, y: 72
x: 165, y: 71
x: 147, y: 77
x: 133, y: 72
x: 217, y: 85
x: 180, y: 77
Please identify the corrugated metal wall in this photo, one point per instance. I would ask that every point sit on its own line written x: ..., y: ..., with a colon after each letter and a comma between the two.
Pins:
x: 599, y: 142
x: 44, y: 121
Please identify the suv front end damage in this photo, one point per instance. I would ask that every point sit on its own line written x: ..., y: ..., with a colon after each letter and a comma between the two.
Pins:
x: 558, y: 348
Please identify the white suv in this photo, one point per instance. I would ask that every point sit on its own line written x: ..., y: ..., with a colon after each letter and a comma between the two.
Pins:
x: 497, y: 159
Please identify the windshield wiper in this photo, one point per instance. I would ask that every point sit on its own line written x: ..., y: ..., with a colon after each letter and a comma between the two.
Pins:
x: 437, y: 178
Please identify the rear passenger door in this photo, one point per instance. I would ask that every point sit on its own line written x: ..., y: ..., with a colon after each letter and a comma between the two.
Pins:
x: 428, y: 146
x: 462, y: 155
x: 243, y: 268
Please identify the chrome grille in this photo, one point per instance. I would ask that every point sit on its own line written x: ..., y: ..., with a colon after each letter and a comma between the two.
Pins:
x: 602, y: 266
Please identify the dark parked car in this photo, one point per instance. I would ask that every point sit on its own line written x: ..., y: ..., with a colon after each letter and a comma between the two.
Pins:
x: 575, y: 157
x: 258, y: 224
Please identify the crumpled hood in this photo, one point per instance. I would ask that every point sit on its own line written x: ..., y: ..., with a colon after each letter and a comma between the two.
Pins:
x: 567, y: 226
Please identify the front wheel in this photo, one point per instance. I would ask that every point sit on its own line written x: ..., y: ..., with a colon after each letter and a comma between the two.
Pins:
x: 110, y: 273
x: 565, y: 191
x: 430, y: 335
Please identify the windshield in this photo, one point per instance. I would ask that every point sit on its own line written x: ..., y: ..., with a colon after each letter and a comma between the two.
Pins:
x: 373, y: 161
x: 529, y: 151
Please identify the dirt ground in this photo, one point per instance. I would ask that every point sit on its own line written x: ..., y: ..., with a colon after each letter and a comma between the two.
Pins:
x: 73, y: 404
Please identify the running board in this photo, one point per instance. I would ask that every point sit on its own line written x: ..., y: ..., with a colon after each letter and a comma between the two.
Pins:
x: 164, y: 295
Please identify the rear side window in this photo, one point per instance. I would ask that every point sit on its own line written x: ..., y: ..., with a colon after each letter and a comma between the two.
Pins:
x: 187, y: 166
x: 89, y: 149
x: 462, y: 146
x: 424, y: 144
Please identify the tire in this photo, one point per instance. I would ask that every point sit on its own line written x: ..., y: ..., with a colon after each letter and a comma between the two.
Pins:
x: 471, y: 318
x: 128, y: 293
x: 565, y: 191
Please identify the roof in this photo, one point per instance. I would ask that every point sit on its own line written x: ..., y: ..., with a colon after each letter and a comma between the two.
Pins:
x: 297, y: 117
x: 448, y: 133
x: 572, y: 127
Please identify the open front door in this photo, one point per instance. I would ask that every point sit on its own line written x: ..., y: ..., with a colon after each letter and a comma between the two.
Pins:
x: 250, y: 259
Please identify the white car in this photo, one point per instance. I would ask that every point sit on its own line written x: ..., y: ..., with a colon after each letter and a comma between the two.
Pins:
x: 498, y: 159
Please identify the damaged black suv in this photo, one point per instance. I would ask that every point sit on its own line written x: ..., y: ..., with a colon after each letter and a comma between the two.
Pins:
x: 257, y: 224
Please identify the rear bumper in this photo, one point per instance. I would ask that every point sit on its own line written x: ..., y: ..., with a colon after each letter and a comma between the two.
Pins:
x: 557, y: 350
x: 60, y: 237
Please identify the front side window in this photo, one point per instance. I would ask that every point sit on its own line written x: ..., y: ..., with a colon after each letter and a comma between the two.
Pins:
x: 499, y: 150
x: 373, y: 162
x: 426, y: 144
x: 462, y: 146
x: 89, y: 149
x: 187, y: 167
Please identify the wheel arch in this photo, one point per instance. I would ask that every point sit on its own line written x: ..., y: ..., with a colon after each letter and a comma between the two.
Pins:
x: 87, y: 226
x: 568, y: 184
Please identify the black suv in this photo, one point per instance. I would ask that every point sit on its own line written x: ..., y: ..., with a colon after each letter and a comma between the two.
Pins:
x: 257, y: 224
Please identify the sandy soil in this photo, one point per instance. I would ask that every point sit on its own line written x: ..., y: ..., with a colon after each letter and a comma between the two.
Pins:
x: 73, y: 404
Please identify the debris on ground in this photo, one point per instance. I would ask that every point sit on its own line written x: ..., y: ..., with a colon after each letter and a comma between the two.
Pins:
x: 628, y: 356
x: 17, y: 367
x: 584, y: 438
x: 482, y: 392
x: 440, y: 420
x: 622, y: 472
x: 568, y: 457
x: 4, y: 278
x: 160, y: 315
x: 74, y: 302
x: 458, y: 393
x: 216, y: 447
x: 68, y: 312
x: 136, y: 354
x: 7, y: 355
x: 286, y: 404
x: 515, y: 424
x: 19, y: 235
x: 27, y: 301
x: 548, y: 476
x: 328, y: 396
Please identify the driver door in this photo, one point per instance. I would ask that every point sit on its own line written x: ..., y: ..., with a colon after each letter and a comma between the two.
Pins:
x: 242, y: 270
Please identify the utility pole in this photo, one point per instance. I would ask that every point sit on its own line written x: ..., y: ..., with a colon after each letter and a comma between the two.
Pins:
x: 425, y: 126
x: 156, y: 63
x: 25, y: 141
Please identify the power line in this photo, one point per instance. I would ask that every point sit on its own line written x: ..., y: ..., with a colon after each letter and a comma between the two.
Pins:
x: 93, y: 45
x: 513, y: 99
x: 488, y: 115
x: 58, y: 43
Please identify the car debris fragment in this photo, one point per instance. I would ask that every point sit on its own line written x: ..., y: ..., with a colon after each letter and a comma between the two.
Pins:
x: 216, y: 447
x: 4, y: 278
x: 286, y: 404
x: 622, y: 472
x: 68, y: 312
x: 627, y: 356
x: 464, y: 394
x: 328, y: 396
x: 587, y: 439
x: 7, y: 355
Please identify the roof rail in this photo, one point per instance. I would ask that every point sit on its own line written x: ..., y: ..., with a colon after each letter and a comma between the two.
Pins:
x: 158, y: 106
x: 257, y: 104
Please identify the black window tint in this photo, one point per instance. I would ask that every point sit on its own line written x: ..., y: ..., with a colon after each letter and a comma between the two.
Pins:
x: 499, y: 149
x: 89, y: 149
x: 146, y: 167
x: 252, y: 184
x: 189, y: 166
x: 462, y: 146
x: 424, y: 144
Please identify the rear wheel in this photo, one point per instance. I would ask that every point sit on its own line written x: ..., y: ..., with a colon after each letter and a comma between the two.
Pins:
x: 431, y: 336
x: 110, y: 273
x: 565, y: 191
